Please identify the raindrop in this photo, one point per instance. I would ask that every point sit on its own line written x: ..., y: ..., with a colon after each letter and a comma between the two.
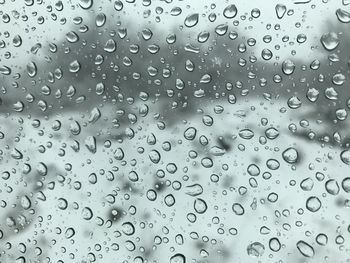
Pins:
x: 332, y: 187
x: 85, y: 4
x: 100, y: 19
x: 203, y: 36
x: 191, y: 20
x: 238, y: 209
x: 200, y: 206
x: 25, y: 202
x: 72, y: 37
x: 190, y: 133
x: 313, y: 204
x: 5, y: 70
x: 280, y: 10
x: 175, y: 11
x: 110, y: 46
x: 290, y: 155
x: 346, y: 184
x: 294, y: 102
x: 330, y: 41
x: 87, y: 213
x: 70, y: 232
x: 230, y: 11
x: 178, y: 258
x: 305, y: 249
x: 271, y: 133
x: 274, y: 244
x: 74, y: 66
x: 169, y: 200
x: 246, y: 134
x: 255, y: 249
x: 345, y: 156
x: 194, y: 189
x: 31, y: 69
x: 266, y: 54
x: 288, y: 67
x: 17, y: 41
x: 154, y: 156
x: 342, y: 15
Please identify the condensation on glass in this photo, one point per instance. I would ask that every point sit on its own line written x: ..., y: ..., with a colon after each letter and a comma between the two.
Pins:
x: 174, y: 131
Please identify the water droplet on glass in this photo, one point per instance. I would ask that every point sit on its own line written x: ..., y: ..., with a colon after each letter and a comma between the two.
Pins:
x: 238, y: 209
x: 154, y: 156
x: 290, y: 155
x: 246, y: 134
x: 342, y: 15
x: 313, y: 204
x: 345, y: 156
x: 266, y: 54
x: 330, y: 41
x: 288, y: 67
x: 175, y: 11
x: 100, y: 19
x: 178, y: 258
x: 87, y: 213
x: 230, y: 11
x: 280, y: 10
x: 72, y: 37
x: 25, y: 202
x: 294, y: 102
x: 110, y: 46
x: 274, y: 244
x: 332, y: 187
x: 255, y: 249
x: 191, y: 20
x: 85, y: 4
x: 31, y: 69
x: 200, y: 206
x: 17, y: 41
x: 190, y: 133
x: 305, y: 249
x: 194, y: 189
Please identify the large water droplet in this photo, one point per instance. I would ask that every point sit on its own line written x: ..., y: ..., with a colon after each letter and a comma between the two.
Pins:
x: 230, y: 11
x: 100, y: 19
x: 288, y: 67
x: 313, y: 204
x: 25, y: 202
x: 305, y: 249
x: 178, y: 258
x: 85, y: 4
x: 345, y: 156
x: 290, y: 155
x: 31, y: 69
x: 255, y: 249
x: 343, y: 16
x: 330, y: 41
x: 87, y: 213
x: 280, y: 10
x: 191, y: 20
x: 200, y: 206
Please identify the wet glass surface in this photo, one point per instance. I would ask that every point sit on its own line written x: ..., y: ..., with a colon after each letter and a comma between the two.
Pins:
x: 174, y: 131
